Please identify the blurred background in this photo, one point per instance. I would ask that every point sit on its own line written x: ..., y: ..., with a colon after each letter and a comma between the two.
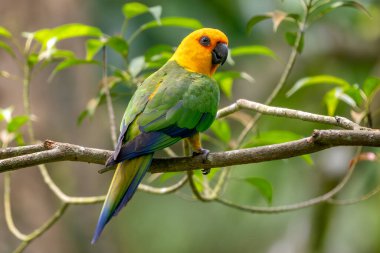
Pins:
x: 345, y: 43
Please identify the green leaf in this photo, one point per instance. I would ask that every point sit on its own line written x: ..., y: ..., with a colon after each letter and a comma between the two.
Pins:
x: 5, y: 74
x: 157, y: 51
x: 213, y: 172
x: 331, y: 100
x: 123, y: 76
x: 136, y: 65
x: 272, y: 137
x: 4, y: 32
x: 119, y: 44
x: 16, y: 123
x: 293, y: 17
x: 326, y: 8
x: 275, y: 137
x: 291, y: 37
x: 225, y: 80
x: 93, y: 103
x: 222, y: 130
x: 252, y: 50
x: 263, y: 186
x: 20, y: 140
x: 32, y: 59
x: 347, y: 99
x: 352, y: 4
x: 255, y: 20
x: 174, y: 21
x: 355, y: 94
x: 314, y: 80
x: 277, y: 18
x: 66, y: 31
x: 70, y: 63
x: 7, y: 48
x: 158, y: 55
x: 156, y: 12
x: 6, y: 114
x: 55, y: 54
x: 168, y: 175
x: 93, y: 46
x: 90, y: 109
x: 371, y: 85
x: 134, y: 9
x: 198, y: 180
x: 62, y: 54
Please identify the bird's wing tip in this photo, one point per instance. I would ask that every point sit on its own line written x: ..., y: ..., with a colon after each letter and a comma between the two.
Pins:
x: 110, y: 162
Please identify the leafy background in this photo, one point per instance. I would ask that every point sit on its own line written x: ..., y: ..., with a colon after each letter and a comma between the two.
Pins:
x: 343, y: 45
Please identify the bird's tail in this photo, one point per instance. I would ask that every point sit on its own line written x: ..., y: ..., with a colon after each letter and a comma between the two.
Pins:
x: 127, y: 177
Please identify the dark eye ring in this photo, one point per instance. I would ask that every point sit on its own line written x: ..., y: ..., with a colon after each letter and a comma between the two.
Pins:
x: 205, y: 41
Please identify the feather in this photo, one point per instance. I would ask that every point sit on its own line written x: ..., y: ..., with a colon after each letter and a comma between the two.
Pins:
x: 127, y: 177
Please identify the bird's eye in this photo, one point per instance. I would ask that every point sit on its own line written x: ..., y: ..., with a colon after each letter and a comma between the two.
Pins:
x: 205, y: 41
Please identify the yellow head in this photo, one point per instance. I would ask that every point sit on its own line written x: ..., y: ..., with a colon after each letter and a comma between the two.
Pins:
x: 202, y: 51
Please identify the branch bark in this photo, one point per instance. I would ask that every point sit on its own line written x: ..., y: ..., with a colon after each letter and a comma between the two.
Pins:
x: 319, y: 140
x: 288, y: 113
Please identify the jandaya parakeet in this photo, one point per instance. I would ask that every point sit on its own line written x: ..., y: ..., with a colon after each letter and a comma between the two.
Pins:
x: 177, y: 101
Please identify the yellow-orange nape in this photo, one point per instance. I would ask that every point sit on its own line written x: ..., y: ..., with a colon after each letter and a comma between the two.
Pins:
x: 196, y: 56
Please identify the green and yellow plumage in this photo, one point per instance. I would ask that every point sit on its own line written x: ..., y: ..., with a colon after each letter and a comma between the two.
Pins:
x: 175, y: 102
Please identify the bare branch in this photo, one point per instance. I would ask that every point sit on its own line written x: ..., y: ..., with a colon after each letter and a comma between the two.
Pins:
x: 54, y: 152
x: 18, y: 151
x: 288, y: 113
x: 8, y: 209
x: 320, y: 139
x: 163, y: 190
x: 111, y: 113
x: 362, y: 198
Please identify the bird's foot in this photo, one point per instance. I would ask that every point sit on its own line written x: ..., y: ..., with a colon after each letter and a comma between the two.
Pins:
x: 204, y: 153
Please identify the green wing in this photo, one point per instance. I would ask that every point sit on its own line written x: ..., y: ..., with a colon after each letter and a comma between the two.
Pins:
x: 184, y: 103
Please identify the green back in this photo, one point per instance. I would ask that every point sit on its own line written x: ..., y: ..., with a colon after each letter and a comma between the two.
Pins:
x: 181, y: 98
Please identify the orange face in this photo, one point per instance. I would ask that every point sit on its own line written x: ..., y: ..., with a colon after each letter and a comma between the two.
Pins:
x: 202, y: 51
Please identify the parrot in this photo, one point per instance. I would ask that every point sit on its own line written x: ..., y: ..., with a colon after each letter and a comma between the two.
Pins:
x: 176, y: 102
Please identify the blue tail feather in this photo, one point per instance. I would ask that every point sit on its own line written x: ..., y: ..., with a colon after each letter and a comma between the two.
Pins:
x: 124, y: 184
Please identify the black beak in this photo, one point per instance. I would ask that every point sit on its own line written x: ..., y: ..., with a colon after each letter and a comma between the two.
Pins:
x: 219, y: 54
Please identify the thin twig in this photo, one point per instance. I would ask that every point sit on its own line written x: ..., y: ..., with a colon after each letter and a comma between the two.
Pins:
x: 8, y: 209
x: 288, y: 113
x: 220, y: 185
x: 286, y: 208
x: 111, y: 112
x: 23, y: 150
x: 163, y: 190
x: 38, y: 232
x: 362, y: 198
x: 193, y: 187
x: 26, y: 99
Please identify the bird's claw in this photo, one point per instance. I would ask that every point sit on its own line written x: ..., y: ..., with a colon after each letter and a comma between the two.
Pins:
x: 205, y: 171
x: 204, y: 153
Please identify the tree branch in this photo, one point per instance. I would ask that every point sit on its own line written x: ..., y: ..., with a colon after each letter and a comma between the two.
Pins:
x: 319, y: 140
x: 288, y: 113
